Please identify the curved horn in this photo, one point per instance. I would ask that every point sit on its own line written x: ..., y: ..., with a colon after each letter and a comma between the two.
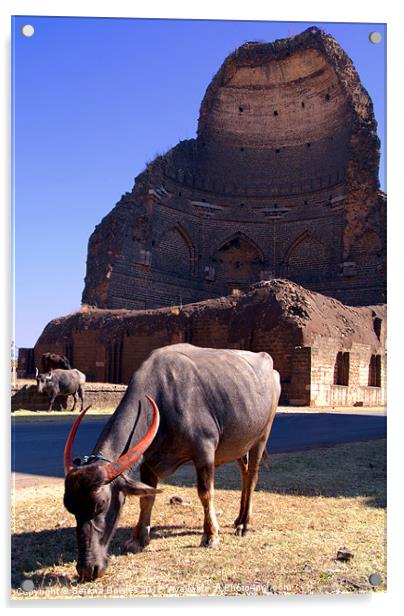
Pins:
x: 130, y: 457
x: 68, y: 458
x: 36, y: 372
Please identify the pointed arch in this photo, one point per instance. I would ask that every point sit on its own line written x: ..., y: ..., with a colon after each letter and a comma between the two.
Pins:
x: 238, y: 235
x: 175, y: 252
x: 298, y: 240
x: 238, y: 261
x: 307, y: 259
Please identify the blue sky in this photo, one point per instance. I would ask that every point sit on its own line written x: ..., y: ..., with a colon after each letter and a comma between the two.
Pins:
x: 93, y: 100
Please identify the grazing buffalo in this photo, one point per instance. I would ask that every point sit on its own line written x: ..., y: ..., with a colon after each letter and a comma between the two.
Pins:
x: 210, y: 407
x: 61, y: 383
x: 52, y: 361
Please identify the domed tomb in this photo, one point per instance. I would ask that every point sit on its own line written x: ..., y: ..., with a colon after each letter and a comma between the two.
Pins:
x: 282, y: 180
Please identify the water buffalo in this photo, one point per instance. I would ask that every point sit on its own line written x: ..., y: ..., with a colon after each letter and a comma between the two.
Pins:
x: 214, y: 406
x: 61, y: 383
x: 52, y: 361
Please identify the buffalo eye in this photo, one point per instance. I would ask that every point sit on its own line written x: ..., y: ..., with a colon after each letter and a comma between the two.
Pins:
x: 99, y: 507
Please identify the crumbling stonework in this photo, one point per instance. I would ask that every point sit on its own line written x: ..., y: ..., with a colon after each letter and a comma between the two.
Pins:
x: 305, y: 333
x: 282, y: 180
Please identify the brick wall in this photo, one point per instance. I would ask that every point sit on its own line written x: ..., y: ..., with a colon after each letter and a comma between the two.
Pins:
x: 302, y: 331
x: 100, y: 396
x: 324, y: 391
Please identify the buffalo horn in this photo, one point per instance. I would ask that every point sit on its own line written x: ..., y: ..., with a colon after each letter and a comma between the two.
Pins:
x: 129, y: 458
x: 68, y: 458
x: 36, y: 372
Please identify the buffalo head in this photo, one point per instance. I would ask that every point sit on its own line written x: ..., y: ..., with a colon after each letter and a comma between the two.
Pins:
x: 42, y: 380
x: 95, y: 492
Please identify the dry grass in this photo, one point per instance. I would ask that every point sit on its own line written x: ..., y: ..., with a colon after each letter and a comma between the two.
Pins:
x: 308, y: 505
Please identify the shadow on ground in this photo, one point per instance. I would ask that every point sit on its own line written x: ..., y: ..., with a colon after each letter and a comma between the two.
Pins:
x: 50, y: 547
x: 58, y: 546
x: 348, y: 471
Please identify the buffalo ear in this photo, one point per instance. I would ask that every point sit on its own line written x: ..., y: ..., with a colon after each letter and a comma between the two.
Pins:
x: 132, y: 487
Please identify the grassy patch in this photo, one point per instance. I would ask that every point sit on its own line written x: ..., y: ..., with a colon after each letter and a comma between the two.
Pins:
x: 307, y: 506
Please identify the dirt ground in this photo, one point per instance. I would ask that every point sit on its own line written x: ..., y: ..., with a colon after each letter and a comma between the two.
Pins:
x: 307, y: 506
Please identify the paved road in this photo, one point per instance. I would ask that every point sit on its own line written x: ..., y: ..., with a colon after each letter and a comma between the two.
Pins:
x: 37, y: 448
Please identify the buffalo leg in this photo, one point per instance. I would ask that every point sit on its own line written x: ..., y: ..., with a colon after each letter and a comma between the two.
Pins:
x: 250, y: 479
x: 205, y: 479
x: 75, y: 400
x: 81, y: 396
x: 52, y: 400
x: 243, y: 463
x: 141, y: 533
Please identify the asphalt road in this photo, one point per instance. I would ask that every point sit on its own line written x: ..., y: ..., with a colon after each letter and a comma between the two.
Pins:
x: 37, y: 447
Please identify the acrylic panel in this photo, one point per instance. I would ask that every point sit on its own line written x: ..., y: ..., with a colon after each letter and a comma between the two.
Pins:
x: 199, y: 238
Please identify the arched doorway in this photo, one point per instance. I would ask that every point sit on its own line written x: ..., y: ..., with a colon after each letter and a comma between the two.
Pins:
x: 238, y: 262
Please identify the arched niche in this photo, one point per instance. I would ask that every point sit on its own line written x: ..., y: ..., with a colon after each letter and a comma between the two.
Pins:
x: 238, y: 261
x: 175, y: 252
x: 307, y: 259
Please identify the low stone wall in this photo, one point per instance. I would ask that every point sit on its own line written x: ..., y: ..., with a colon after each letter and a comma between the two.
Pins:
x: 24, y: 395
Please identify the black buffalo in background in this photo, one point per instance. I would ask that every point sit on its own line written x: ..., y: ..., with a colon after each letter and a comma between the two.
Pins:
x: 52, y: 361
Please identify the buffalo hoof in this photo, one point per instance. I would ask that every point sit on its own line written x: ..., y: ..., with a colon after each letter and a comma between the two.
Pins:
x: 134, y: 546
x: 210, y: 541
x: 242, y: 530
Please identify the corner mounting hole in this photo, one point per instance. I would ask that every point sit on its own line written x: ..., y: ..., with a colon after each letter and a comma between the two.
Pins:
x: 375, y: 37
x: 27, y: 30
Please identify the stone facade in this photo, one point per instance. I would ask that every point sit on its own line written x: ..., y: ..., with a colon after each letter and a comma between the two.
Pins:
x: 24, y: 395
x: 327, y: 353
x: 281, y: 181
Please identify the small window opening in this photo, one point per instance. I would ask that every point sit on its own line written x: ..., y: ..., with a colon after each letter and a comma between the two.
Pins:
x: 341, y: 369
x: 241, y: 109
x: 241, y: 149
x: 327, y: 97
x: 308, y: 144
x: 377, y: 326
x: 277, y: 150
x: 302, y: 105
x: 375, y: 370
x: 180, y: 194
x: 276, y: 113
x: 305, y: 202
x: 242, y: 204
x: 203, y: 200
